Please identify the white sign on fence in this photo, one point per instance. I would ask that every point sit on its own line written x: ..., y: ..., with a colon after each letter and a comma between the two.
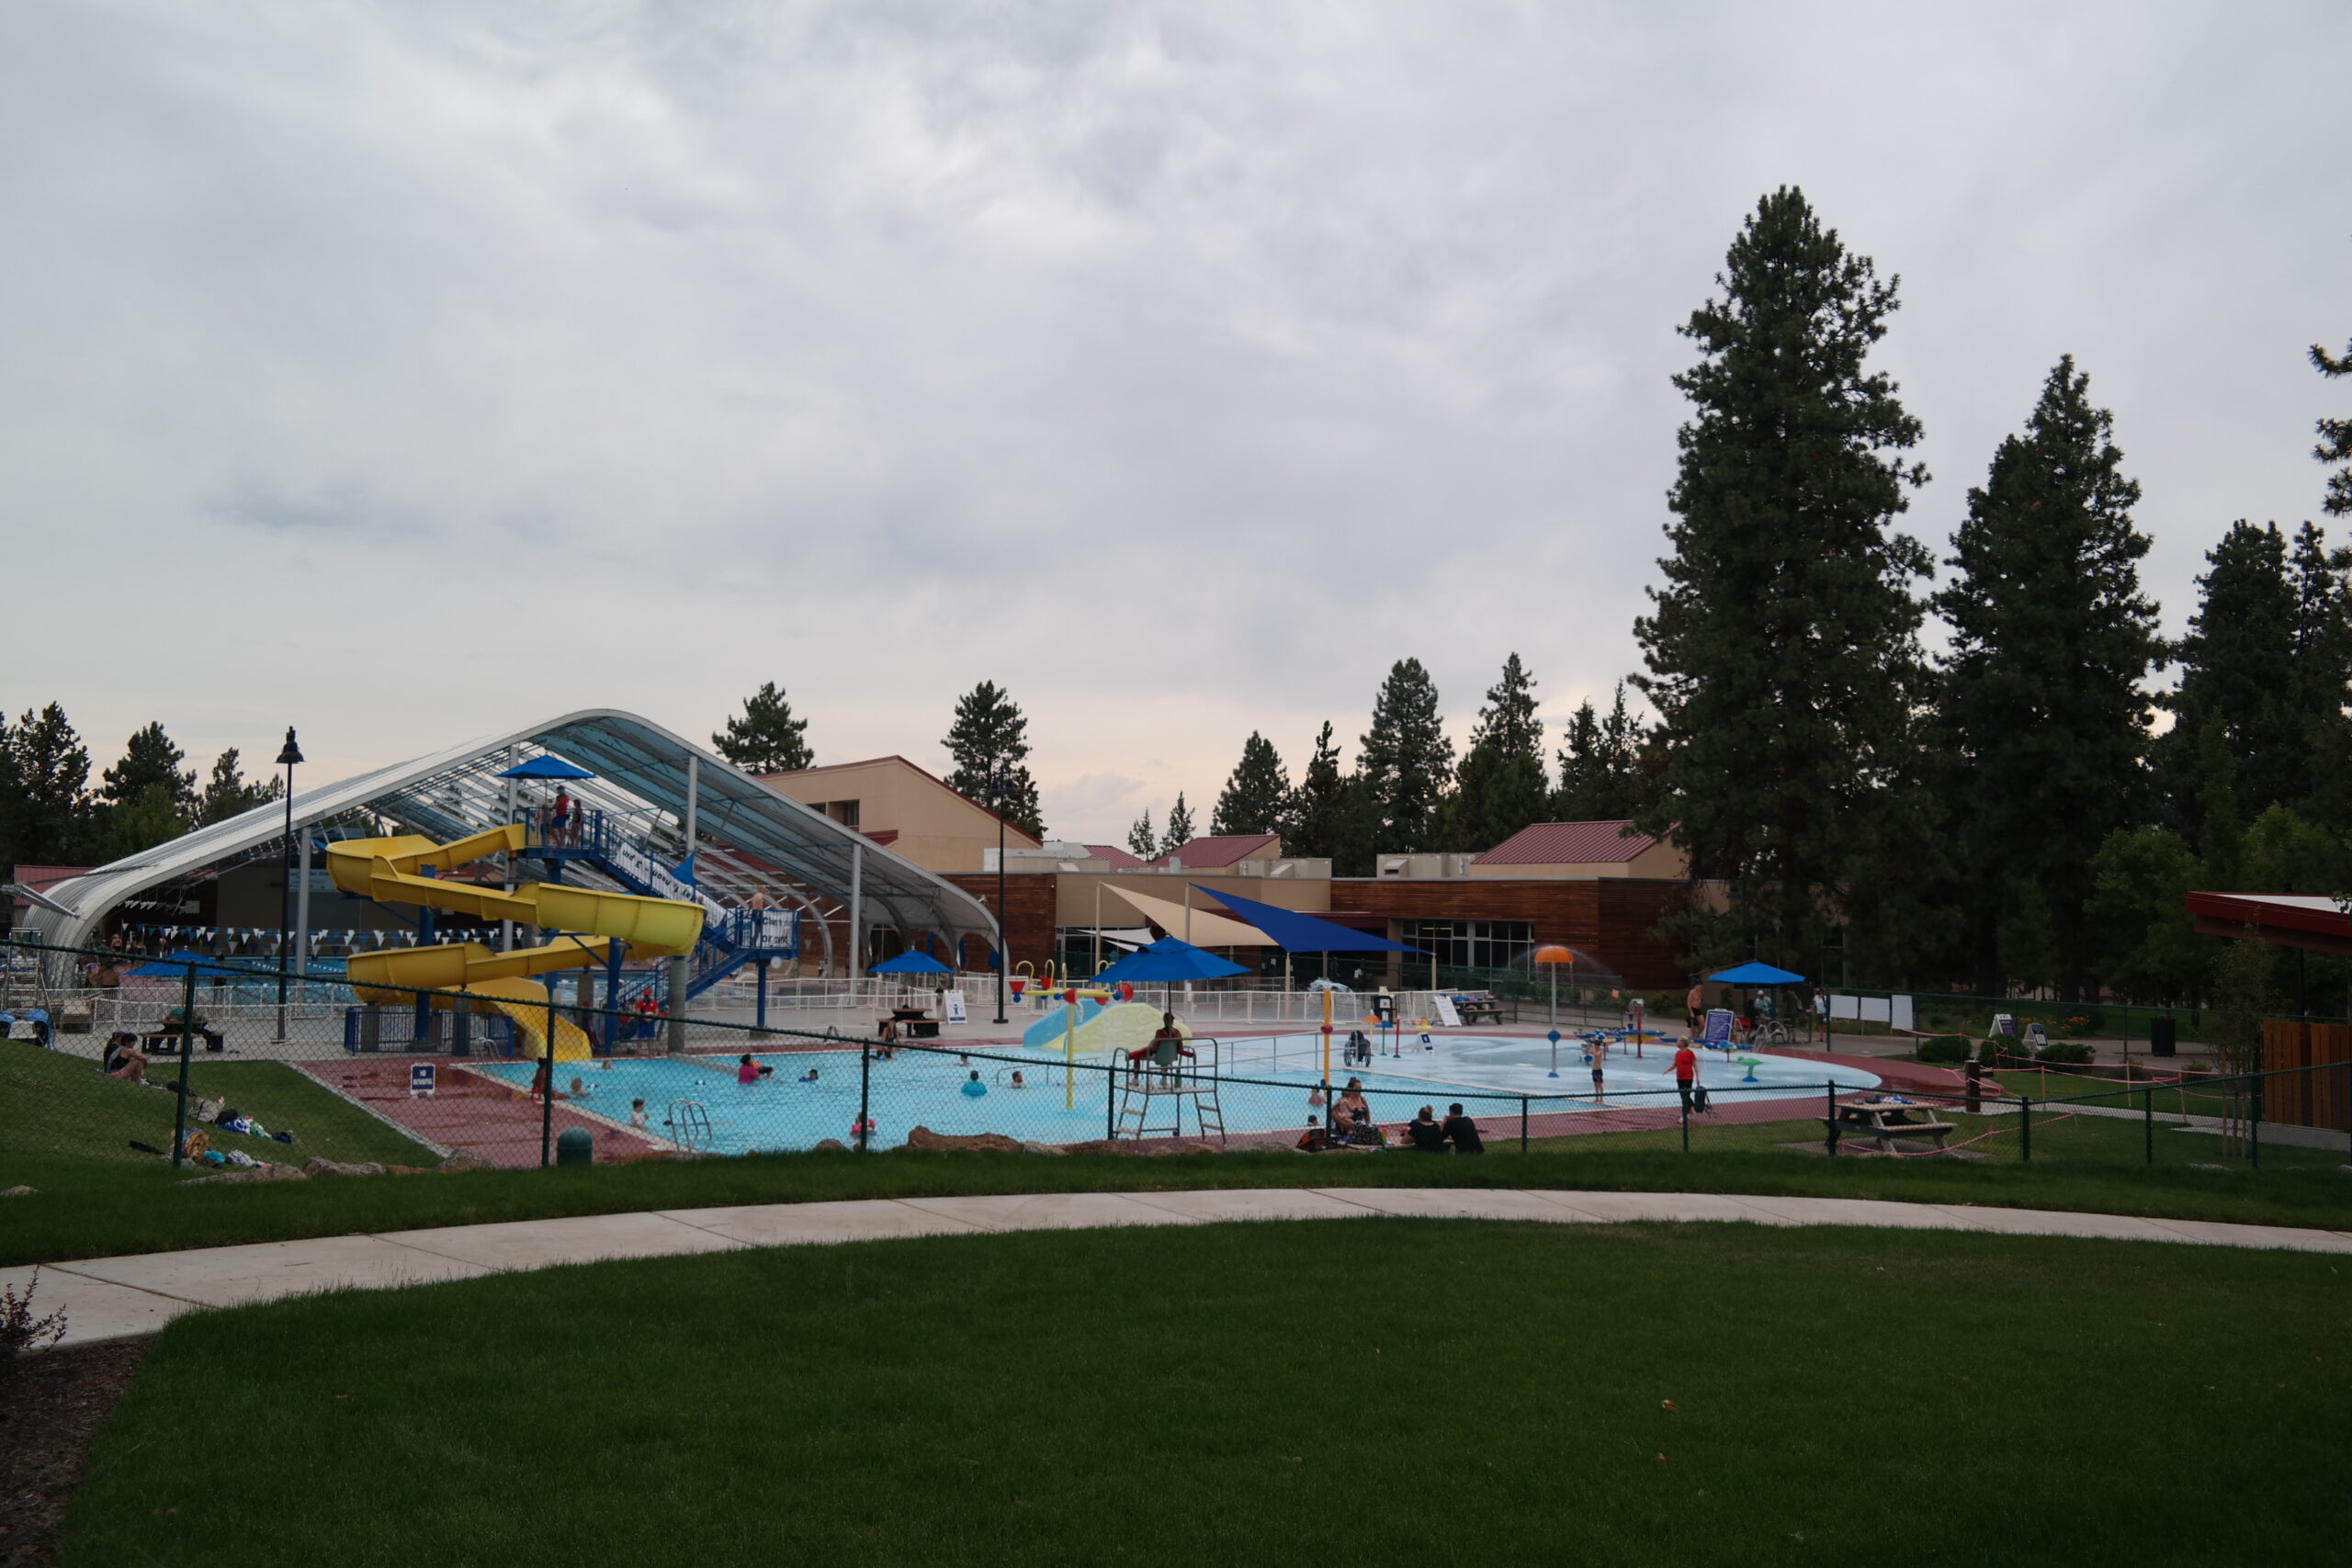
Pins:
x: 1903, y: 1019
x: 1843, y: 1006
x: 1874, y: 1010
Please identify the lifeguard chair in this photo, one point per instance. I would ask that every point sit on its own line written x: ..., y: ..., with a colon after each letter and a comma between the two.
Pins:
x: 1153, y: 1094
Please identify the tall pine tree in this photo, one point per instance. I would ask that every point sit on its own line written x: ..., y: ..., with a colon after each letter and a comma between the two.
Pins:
x: 1142, y: 843
x: 990, y: 730
x: 150, y: 760
x: 2335, y: 434
x: 1257, y: 794
x: 1501, y: 786
x: 1179, y: 826
x: 1321, y: 820
x: 2042, y: 691
x: 1599, y: 765
x: 227, y: 793
x: 2322, y: 686
x: 765, y: 738
x: 48, y: 773
x: 2238, y: 667
x: 1405, y: 761
x: 1782, y: 652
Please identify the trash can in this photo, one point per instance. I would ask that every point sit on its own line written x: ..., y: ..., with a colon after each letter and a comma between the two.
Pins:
x: 574, y: 1146
x: 2160, y: 1036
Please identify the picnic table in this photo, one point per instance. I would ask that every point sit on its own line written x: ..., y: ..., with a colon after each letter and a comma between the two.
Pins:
x: 915, y: 1023
x: 1882, y: 1122
x: 1474, y: 1006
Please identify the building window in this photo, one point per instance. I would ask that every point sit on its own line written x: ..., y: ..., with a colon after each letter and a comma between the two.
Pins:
x: 1472, y: 945
x: 843, y: 811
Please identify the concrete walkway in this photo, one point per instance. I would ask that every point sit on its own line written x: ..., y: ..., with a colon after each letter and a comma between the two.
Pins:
x: 107, y: 1298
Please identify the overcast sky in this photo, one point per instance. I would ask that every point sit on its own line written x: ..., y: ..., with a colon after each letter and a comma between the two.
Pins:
x: 410, y: 372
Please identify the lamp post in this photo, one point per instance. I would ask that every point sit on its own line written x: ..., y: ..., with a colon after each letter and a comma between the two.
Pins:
x: 288, y: 755
x: 1003, y: 954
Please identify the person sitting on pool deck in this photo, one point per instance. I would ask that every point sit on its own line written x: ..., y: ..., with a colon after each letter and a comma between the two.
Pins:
x: 1462, y: 1131
x: 972, y: 1088
x: 1428, y: 1138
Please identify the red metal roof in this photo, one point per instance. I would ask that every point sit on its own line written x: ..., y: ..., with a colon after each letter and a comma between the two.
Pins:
x: 1113, y: 854
x: 2288, y: 919
x: 1208, y: 853
x: 1569, y: 843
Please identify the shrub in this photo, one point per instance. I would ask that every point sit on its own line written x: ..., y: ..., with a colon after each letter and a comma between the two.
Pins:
x: 1951, y: 1048
x: 2064, y: 1055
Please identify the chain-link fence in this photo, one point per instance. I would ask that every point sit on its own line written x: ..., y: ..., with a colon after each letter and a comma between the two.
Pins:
x: 205, y: 1067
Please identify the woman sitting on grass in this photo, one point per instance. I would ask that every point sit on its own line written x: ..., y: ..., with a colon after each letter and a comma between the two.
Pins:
x: 1428, y: 1138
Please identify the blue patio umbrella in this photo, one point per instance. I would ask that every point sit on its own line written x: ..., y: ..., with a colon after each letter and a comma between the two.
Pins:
x: 1169, y: 958
x: 910, y: 963
x: 545, y: 767
x: 1757, y: 975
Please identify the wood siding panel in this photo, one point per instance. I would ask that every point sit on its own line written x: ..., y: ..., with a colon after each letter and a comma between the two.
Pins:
x: 1610, y: 918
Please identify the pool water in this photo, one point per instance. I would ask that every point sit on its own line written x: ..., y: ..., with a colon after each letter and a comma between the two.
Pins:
x: 923, y: 1089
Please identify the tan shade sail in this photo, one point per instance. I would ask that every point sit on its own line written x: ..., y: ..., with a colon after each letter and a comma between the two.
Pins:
x: 1207, y: 930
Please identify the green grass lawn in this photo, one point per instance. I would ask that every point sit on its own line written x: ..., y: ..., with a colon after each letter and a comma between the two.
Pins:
x: 87, y: 1207
x: 1390, y: 1390
x: 60, y: 1109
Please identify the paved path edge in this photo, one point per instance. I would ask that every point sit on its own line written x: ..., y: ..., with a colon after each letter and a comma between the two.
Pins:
x: 111, y: 1298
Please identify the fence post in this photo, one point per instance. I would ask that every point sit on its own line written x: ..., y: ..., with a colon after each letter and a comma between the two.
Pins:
x: 1682, y: 1092
x: 2025, y: 1129
x: 1832, y: 1088
x: 1522, y: 1124
x: 546, y: 1095
x: 2148, y: 1120
x: 865, y: 1091
x: 2253, y: 1120
x: 1110, y: 1098
x: 187, y: 1062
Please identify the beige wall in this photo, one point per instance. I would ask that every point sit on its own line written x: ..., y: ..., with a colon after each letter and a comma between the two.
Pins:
x: 1660, y: 862
x: 1074, y: 897
x: 937, y: 828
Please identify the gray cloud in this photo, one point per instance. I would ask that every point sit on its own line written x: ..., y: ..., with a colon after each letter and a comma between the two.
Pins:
x: 1178, y: 366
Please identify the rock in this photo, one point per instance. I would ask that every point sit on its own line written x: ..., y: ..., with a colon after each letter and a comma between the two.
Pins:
x: 314, y: 1166
x: 972, y: 1143
x: 461, y: 1160
x: 1039, y: 1149
x: 260, y: 1173
x: 1100, y: 1146
x: 831, y: 1145
x: 18, y: 1192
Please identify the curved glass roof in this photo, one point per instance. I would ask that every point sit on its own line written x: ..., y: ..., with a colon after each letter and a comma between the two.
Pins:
x: 747, y: 836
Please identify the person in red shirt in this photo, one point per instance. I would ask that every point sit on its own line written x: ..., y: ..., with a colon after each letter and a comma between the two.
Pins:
x: 1686, y: 1073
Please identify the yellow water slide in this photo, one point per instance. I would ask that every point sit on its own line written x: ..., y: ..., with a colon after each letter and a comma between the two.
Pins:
x: 389, y: 870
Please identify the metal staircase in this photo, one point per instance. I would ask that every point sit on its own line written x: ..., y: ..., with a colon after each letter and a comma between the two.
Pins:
x: 730, y: 938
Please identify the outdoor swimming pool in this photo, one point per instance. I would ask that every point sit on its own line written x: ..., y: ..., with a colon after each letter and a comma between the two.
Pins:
x: 924, y: 1088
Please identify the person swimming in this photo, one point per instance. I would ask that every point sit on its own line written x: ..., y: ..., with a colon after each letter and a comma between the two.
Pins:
x: 972, y: 1088
x: 808, y: 1076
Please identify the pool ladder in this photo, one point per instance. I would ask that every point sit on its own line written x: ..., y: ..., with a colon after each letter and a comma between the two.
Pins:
x: 689, y: 1125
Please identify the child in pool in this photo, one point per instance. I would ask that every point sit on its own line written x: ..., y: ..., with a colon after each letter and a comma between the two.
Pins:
x: 636, y: 1113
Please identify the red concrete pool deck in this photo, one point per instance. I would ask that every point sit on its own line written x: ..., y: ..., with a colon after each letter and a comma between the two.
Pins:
x: 472, y: 1112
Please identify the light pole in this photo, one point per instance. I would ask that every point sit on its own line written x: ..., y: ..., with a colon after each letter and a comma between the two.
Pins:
x: 288, y: 755
x: 1003, y: 955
